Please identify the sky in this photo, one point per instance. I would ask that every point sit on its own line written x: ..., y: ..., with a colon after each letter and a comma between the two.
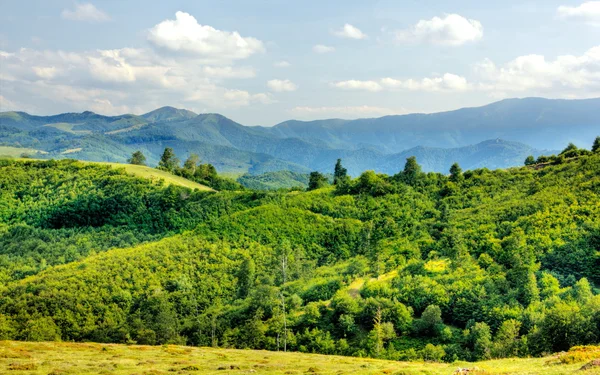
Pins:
x: 264, y: 62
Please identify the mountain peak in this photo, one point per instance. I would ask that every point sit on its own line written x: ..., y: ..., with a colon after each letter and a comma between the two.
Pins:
x: 168, y: 113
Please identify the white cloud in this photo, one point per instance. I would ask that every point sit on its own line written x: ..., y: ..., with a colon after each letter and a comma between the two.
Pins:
x: 186, y: 35
x: 111, y: 81
x: 45, y: 72
x: 279, y: 85
x: 588, y: 12
x: 452, y: 30
x: 7, y: 105
x: 85, y: 12
x: 447, y: 82
x: 350, y: 32
x: 229, y: 72
x: 358, y: 85
x: 320, y: 48
x: 566, y: 76
x: 344, y: 111
x: 282, y: 64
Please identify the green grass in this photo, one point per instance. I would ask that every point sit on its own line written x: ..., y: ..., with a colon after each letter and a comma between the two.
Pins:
x: 91, y: 358
x: 68, y: 127
x: 15, y: 152
x: 154, y: 174
x: 136, y: 170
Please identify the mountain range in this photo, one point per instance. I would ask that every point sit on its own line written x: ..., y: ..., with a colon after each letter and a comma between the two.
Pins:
x: 497, y: 135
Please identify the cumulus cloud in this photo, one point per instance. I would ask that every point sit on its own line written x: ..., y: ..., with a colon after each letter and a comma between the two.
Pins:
x: 588, y: 12
x: 85, y: 12
x: 113, y: 81
x: 282, y: 64
x: 358, y: 85
x: 350, y: 32
x: 567, y: 75
x: 185, y: 35
x: 447, y: 82
x: 451, y: 30
x: 279, y: 85
x: 344, y: 111
x: 320, y: 48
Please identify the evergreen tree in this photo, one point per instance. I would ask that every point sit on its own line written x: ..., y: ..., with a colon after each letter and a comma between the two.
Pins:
x: 530, y: 160
x: 168, y: 160
x: 596, y: 145
x: 411, y: 170
x: 316, y: 180
x: 340, y: 174
x: 455, y: 173
x: 137, y: 158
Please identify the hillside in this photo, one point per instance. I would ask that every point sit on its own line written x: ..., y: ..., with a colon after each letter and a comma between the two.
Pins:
x: 18, y: 357
x: 525, y: 127
x: 476, y: 265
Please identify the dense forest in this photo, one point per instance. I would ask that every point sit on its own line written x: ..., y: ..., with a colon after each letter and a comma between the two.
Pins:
x: 470, y: 265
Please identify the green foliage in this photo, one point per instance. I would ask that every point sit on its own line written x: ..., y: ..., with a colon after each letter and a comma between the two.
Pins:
x: 168, y: 161
x: 316, y: 180
x: 488, y: 264
x: 530, y: 160
x: 137, y: 158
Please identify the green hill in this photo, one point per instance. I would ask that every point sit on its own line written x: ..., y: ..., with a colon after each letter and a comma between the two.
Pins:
x: 416, y: 266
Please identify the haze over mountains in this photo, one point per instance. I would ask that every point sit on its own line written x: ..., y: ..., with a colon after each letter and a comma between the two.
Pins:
x: 498, y: 135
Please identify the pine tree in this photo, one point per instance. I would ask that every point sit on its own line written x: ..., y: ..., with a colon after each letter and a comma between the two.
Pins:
x: 455, y: 173
x: 168, y: 160
x: 137, y: 158
x: 596, y: 145
x: 340, y: 173
x: 411, y: 170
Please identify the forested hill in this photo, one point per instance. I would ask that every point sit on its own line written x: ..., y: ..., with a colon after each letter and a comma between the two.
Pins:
x: 473, y: 265
x: 499, y: 135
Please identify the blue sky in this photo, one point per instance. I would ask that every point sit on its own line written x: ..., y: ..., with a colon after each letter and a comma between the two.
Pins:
x: 262, y: 62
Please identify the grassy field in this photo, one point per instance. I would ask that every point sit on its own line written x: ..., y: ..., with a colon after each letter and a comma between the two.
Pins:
x: 136, y: 170
x: 15, y: 152
x: 90, y: 358
x: 154, y: 174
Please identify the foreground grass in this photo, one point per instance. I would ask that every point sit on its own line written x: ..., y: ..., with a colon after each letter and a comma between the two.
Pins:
x: 91, y: 358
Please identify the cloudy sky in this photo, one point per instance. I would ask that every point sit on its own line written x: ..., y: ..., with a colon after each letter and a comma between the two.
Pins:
x: 262, y: 62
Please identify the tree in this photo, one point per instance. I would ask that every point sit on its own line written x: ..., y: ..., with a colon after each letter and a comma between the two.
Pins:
x: 411, y: 170
x: 340, y: 174
x: 246, y: 276
x: 137, y: 158
x: 190, y: 165
x: 570, y: 150
x: 506, y: 343
x: 530, y: 160
x: 596, y: 145
x: 168, y: 160
x: 316, y: 180
x: 480, y: 338
x: 431, y: 317
x: 455, y: 173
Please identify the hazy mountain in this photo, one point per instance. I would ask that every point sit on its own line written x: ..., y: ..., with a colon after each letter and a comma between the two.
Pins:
x: 541, y: 123
x: 498, y: 135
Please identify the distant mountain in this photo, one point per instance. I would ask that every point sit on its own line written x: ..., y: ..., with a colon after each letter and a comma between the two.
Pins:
x: 498, y: 135
x: 538, y: 122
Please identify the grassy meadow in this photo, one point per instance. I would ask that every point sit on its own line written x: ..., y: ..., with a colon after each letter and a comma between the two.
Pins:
x: 92, y: 358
